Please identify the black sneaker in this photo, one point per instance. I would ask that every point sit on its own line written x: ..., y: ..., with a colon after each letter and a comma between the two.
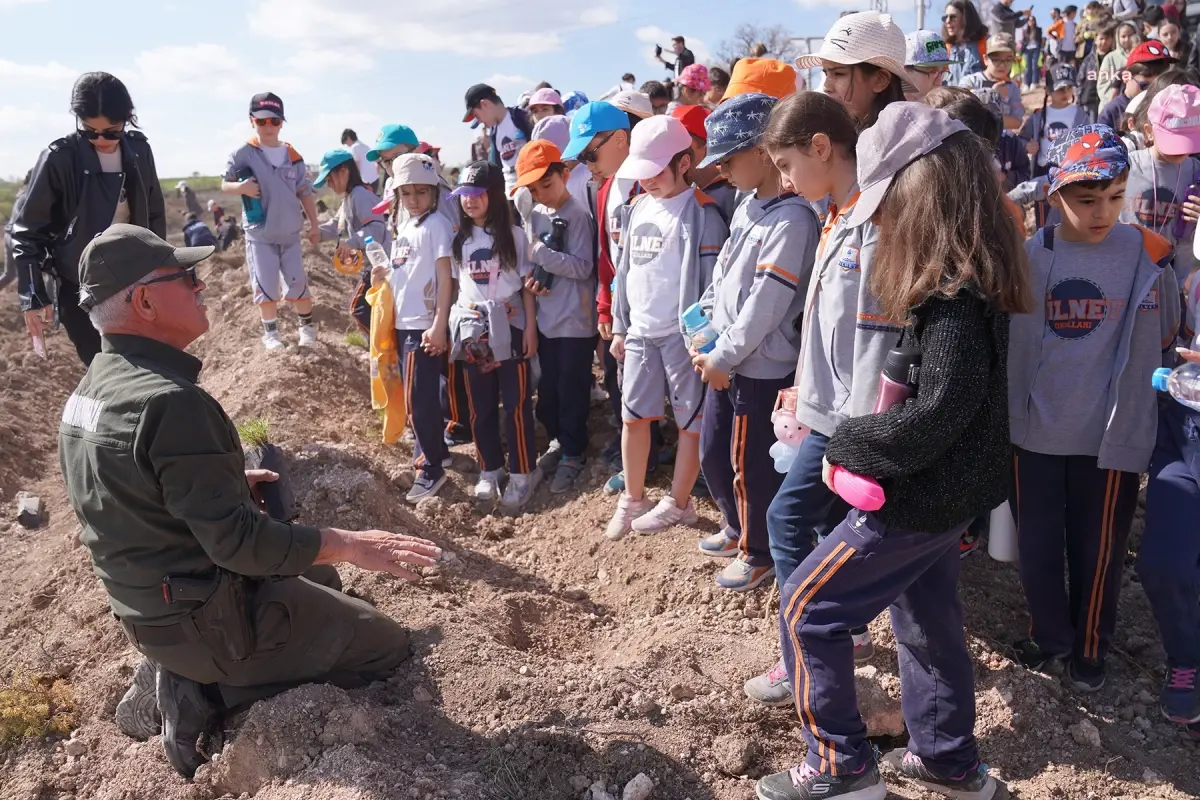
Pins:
x: 1031, y: 656
x: 137, y: 714
x: 1085, y: 675
x: 805, y: 783
x: 974, y: 784
x: 187, y: 715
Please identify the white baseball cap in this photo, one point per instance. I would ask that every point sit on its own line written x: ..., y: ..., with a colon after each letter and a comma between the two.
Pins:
x: 866, y: 37
x: 633, y: 102
x: 415, y: 169
x: 654, y: 143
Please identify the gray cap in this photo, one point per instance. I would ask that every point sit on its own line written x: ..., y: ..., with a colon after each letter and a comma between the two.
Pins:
x: 903, y: 133
x: 122, y: 256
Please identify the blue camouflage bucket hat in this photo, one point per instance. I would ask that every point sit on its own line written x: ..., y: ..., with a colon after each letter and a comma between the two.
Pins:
x: 738, y: 124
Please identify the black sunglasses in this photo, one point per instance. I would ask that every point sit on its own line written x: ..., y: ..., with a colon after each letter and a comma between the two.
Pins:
x: 589, y: 156
x: 949, y: 17
x: 92, y: 135
x: 187, y: 272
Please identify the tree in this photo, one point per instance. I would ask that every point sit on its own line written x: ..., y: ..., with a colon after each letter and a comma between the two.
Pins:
x: 775, y: 38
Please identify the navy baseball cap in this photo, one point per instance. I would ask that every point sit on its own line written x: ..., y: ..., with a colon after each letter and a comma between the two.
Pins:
x: 266, y: 106
x: 591, y: 119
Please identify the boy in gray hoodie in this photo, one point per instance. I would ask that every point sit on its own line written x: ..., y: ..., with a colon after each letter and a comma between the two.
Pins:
x: 1082, y: 411
x: 673, y: 234
x: 754, y: 302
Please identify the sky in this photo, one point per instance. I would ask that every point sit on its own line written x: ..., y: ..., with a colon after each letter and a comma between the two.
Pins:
x: 192, y: 67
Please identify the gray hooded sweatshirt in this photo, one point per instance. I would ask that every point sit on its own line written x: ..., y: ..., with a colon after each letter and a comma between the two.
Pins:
x: 361, y: 221
x: 280, y: 191
x: 569, y: 311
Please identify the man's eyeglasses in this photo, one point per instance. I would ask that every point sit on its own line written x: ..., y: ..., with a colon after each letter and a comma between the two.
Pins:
x: 590, y: 155
x: 92, y: 135
x: 186, y: 272
x: 274, y: 122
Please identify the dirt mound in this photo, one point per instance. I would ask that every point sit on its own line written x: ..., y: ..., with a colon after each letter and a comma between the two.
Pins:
x: 548, y: 662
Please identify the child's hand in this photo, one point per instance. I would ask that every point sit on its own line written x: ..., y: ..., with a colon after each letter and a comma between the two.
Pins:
x: 715, y: 377
x: 605, y: 331
x: 379, y: 275
x: 1031, y: 148
x: 314, y: 236
x: 535, y: 288
x: 433, y: 341
x: 1191, y: 209
x: 249, y: 188
x: 617, y: 348
x: 530, y: 341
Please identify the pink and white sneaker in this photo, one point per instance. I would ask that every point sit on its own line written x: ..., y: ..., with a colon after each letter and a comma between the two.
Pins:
x: 628, y: 510
x: 665, y: 515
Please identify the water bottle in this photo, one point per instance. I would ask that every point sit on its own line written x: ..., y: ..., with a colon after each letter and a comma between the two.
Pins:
x: 251, y: 206
x: 1179, y: 228
x: 375, y: 253
x: 556, y: 240
x: 1002, y: 534
x: 1183, y: 383
x: 700, y: 332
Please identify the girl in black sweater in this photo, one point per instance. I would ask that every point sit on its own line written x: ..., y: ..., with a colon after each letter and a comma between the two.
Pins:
x: 951, y: 267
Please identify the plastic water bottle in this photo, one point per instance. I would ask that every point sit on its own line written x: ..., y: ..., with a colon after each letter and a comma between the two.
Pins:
x: 700, y: 332
x: 375, y: 253
x: 1183, y: 383
x: 252, y: 206
x: 1002, y: 534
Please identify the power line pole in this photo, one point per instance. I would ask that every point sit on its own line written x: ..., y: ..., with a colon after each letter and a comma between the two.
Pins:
x: 920, y: 14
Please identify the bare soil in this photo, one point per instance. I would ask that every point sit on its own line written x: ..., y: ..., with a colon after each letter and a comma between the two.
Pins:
x: 549, y: 662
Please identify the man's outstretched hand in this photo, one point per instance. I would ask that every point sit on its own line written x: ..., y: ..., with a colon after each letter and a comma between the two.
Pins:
x: 378, y: 551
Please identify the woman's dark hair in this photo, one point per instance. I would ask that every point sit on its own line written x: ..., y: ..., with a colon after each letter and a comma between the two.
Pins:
x: 98, y: 94
x: 543, y: 85
x: 892, y: 93
x: 962, y: 105
x: 1175, y: 76
x: 718, y: 77
x: 797, y: 118
x: 499, y: 224
x: 1153, y: 15
x: 967, y: 240
x: 973, y: 28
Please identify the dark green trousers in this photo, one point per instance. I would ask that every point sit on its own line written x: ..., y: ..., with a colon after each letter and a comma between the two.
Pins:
x: 306, y: 631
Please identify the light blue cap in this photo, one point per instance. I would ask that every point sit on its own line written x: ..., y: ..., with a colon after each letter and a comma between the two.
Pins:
x: 590, y: 119
x: 392, y: 136
x: 331, y: 161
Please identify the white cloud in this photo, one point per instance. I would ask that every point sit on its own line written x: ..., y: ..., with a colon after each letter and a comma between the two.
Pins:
x: 49, y: 73
x: 855, y: 4
x: 315, y: 61
x: 652, y: 35
x: 14, y: 3
x: 599, y: 16
x: 205, y: 69
x: 498, y: 81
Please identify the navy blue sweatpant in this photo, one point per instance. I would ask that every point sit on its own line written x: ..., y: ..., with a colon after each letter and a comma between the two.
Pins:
x: 511, y: 384
x: 735, y: 439
x: 565, y: 391
x: 422, y: 376
x: 1068, y: 505
x: 455, y: 409
x: 856, y: 572
x: 1169, y: 558
x: 803, y: 509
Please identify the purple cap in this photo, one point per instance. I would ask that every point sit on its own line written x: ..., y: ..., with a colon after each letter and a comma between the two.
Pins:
x: 556, y: 129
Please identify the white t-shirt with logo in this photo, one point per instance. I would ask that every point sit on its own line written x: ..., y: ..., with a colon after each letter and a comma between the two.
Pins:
x: 276, y: 156
x: 654, y: 239
x: 618, y: 195
x: 415, y: 252
x: 509, y: 141
x: 1057, y: 122
x: 111, y: 162
x: 478, y: 262
x: 367, y: 169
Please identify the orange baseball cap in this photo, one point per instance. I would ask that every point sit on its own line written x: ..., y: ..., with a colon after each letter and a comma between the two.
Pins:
x: 763, y: 75
x: 692, y: 118
x: 535, y: 158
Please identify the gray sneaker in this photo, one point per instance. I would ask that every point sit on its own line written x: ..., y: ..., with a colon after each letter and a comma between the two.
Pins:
x: 974, y: 784
x: 424, y: 486
x: 771, y: 688
x: 137, y: 714
x: 187, y: 715
x: 566, y: 474
x: 520, y: 490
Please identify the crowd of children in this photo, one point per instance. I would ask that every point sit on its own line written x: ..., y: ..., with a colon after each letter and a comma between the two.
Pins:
x: 786, y: 248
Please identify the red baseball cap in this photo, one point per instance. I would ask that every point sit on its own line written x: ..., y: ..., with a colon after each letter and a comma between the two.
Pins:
x: 1147, y: 52
x: 692, y: 118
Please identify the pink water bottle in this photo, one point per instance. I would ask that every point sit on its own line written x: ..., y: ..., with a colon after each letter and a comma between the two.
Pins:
x: 897, y: 383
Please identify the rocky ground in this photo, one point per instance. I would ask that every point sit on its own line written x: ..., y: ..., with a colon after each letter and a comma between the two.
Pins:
x: 549, y: 662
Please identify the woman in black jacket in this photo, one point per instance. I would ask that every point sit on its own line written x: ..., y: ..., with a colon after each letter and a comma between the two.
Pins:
x: 83, y: 183
x: 950, y: 266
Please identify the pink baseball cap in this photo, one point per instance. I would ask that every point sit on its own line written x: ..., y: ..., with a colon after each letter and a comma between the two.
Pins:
x: 545, y: 97
x: 654, y: 143
x: 1175, y: 115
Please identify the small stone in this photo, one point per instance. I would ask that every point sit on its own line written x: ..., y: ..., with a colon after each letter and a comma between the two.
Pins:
x: 733, y: 753
x: 525, y: 670
x: 1150, y: 776
x: 430, y: 758
x: 74, y: 767
x: 29, y: 510
x: 1084, y: 732
x: 639, y: 788
x: 598, y: 791
x: 422, y: 695
x: 748, y: 626
x: 75, y: 747
x: 1145, y: 697
x: 1142, y: 723
x: 1126, y: 714
x: 578, y: 783
x: 680, y: 692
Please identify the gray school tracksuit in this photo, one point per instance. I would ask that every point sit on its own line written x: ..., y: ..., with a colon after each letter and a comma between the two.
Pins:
x: 566, y: 321
x: 273, y: 246
x: 360, y: 222
x: 1154, y: 195
x: 662, y: 366
x: 725, y: 196
x: 1083, y: 419
x: 843, y: 348
x: 755, y: 301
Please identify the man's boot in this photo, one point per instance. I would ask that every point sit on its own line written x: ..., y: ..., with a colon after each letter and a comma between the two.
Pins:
x: 187, y: 715
x: 137, y: 714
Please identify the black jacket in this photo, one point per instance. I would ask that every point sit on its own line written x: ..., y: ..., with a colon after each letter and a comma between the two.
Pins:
x: 942, y: 457
x: 66, y: 205
x: 197, y: 234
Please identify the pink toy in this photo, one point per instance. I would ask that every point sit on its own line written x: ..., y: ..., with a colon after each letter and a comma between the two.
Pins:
x: 859, y: 491
x: 788, y: 429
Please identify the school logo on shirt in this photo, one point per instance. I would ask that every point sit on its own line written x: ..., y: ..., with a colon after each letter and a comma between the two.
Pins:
x: 848, y: 259
x: 1054, y: 130
x: 645, y: 244
x: 1149, y: 302
x: 401, y: 250
x: 614, y: 226
x: 509, y: 148
x: 1156, y: 207
x: 1075, y: 307
x: 481, y: 263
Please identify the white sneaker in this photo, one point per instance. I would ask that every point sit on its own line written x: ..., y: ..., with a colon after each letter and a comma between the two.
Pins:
x: 665, y: 515
x: 308, y: 335
x: 488, y: 487
x: 627, y: 511
x: 270, y: 340
x: 520, y: 489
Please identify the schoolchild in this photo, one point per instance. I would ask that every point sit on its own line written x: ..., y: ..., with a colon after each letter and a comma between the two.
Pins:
x: 997, y: 75
x: 1059, y: 113
x: 927, y: 64
x: 708, y: 179
x: 1147, y: 61
x: 356, y: 219
x: 509, y: 129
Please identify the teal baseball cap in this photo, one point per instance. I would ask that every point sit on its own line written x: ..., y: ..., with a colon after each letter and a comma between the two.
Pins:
x: 331, y: 161
x: 392, y: 136
x: 590, y: 119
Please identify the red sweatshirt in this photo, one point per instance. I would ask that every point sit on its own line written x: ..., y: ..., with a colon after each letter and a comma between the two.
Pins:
x: 606, y: 271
